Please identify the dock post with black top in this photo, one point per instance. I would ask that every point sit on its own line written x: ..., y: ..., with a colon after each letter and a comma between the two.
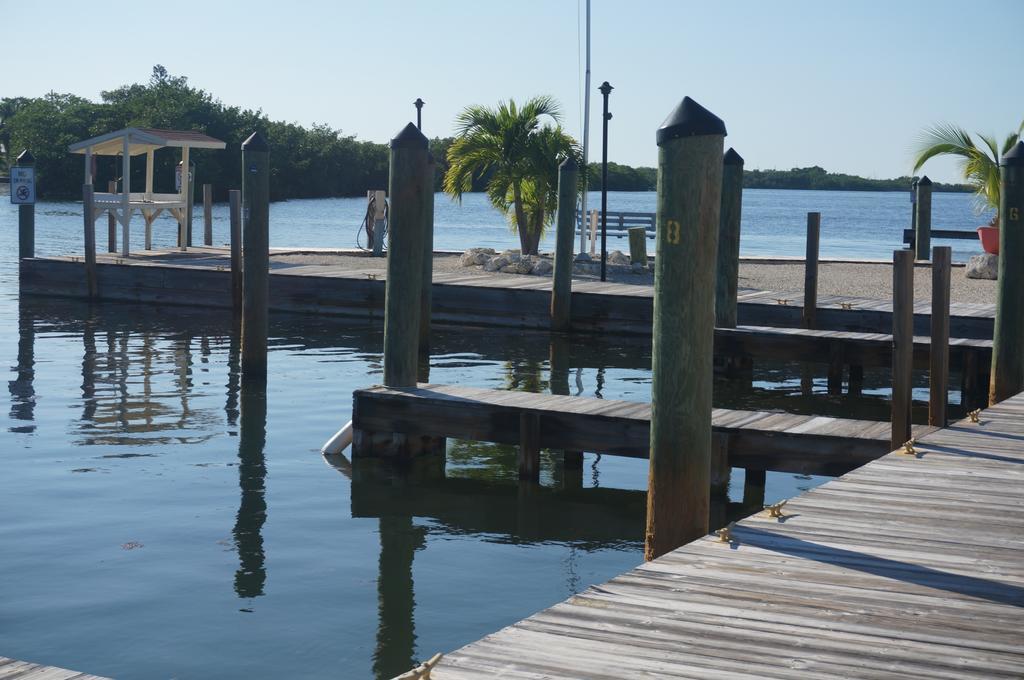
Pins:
x: 690, y: 145
x: 561, y: 286
x: 26, y: 215
x: 727, y: 271
x: 810, y: 311
x: 923, y: 220
x: 255, y: 254
x: 902, y: 345
x: 1007, y: 377
x: 938, y: 355
x: 407, y: 189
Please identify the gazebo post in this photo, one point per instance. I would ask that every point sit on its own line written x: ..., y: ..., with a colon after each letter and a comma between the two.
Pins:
x: 88, y: 166
x: 126, y: 189
x: 149, y: 175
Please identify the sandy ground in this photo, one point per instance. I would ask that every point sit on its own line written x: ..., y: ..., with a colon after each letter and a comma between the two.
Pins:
x: 870, y: 280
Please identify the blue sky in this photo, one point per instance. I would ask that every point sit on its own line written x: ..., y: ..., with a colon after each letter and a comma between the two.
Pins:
x: 845, y: 85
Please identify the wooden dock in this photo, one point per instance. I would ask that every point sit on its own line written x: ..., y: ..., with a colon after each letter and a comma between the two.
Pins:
x: 202, y: 276
x: 911, y: 566
x: 755, y: 440
x: 11, y: 669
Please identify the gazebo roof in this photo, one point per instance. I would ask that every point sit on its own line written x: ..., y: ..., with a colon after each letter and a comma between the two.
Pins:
x: 141, y: 140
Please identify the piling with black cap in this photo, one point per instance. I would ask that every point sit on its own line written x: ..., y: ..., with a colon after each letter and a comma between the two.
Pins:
x: 938, y: 356
x: 26, y: 214
x: 561, y: 288
x: 923, y: 220
x: 407, y: 187
x: 690, y: 145
x: 1008, y: 337
x: 727, y: 271
x: 902, y: 346
x: 255, y: 254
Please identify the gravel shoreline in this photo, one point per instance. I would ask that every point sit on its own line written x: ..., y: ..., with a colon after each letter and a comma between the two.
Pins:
x: 860, y: 279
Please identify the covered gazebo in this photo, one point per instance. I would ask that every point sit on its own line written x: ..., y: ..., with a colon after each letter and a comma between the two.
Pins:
x: 136, y: 142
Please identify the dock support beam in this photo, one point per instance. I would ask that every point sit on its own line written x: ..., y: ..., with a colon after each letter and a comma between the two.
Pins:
x: 810, y: 312
x: 207, y: 215
x: 256, y: 254
x: 727, y: 272
x: 902, y: 345
x: 529, y: 446
x: 90, y: 242
x: 923, y: 220
x: 938, y: 355
x: 1008, y: 338
x: 690, y: 145
x: 407, y: 188
x: 235, y: 217
x: 561, y: 287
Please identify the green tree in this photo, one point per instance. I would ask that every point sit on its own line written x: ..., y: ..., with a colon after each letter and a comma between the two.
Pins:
x: 519, y: 154
x: 979, y: 164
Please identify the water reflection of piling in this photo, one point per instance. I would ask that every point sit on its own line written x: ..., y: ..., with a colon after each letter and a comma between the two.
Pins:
x: 396, y: 600
x: 252, y: 508
x: 22, y: 388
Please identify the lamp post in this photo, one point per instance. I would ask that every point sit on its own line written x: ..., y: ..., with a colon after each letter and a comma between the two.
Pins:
x: 606, y: 89
x: 419, y: 112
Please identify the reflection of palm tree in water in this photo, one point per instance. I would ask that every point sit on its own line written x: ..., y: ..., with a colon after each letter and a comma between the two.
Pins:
x: 252, y: 509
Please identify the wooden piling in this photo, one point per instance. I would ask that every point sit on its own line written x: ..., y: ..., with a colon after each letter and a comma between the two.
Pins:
x: 923, y: 220
x: 207, y: 215
x: 561, y: 286
x: 190, y: 202
x: 235, y: 216
x: 938, y: 369
x: 529, y: 446
x: 728, y: 267
x: 810, y: 311
x: 90, y: 241
x: 427, y: 284
x: 1007, y: 378
x: 902, y: 345
x: 111, y: 220
x: 690, y: 145
x: 26, y: 216
x: 408, y: 191
x: 255, y: 254
x: 754, y: 482
x: 637, y: 245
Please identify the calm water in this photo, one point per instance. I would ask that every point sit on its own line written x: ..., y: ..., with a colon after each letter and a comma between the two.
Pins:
x: 161, y: 519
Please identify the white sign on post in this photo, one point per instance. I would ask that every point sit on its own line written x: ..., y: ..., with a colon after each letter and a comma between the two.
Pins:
x: 23, y: 185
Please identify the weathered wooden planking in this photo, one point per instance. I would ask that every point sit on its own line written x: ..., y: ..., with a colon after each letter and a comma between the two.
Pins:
x: 178, y: 278
x: 760, y: 440
x: 23, y: 670
x: 911, y: 566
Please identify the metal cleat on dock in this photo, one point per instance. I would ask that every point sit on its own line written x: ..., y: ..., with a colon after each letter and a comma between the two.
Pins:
x: 782, y: 301
x: 846, y: 305
x: 725, y: 533
x: 775, y: 510
x: 975, y: 415
x: 908, y: 447
x: 421, y: 672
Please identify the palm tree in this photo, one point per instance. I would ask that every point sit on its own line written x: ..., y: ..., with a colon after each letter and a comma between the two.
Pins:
x: 518, y: 156
x: 980, y: 165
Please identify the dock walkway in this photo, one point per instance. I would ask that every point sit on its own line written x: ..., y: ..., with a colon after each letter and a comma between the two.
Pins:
x: 754, y: 440
x: 911, y: 566
x: 11, y: 669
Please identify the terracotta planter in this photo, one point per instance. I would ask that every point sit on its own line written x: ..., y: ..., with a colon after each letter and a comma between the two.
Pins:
x: 989, y: 237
